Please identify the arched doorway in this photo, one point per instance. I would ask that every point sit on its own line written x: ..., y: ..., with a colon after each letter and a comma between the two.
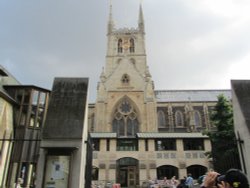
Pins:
x: 196, y: 170
x: 127, y: 172
x: 167, y: 171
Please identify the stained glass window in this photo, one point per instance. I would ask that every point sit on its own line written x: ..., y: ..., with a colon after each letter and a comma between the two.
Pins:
x: 125, y: 122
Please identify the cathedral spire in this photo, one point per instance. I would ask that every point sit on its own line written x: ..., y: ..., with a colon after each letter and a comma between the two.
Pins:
x: 110, y: 22
x: 141, y: 20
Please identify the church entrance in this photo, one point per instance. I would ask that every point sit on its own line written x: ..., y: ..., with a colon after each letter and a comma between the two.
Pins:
x: 127, y: 172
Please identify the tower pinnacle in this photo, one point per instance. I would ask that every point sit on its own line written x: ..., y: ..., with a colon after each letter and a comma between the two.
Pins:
x: 110, y: 22
x: 141, y: 20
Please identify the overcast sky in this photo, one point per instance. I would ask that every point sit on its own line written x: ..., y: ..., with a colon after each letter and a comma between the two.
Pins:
x: 191, y: 44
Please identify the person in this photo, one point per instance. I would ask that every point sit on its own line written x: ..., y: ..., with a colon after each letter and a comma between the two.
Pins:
x: 201, y: 179
x: 165, y: 182
x: 150, y: 182
x: 19, y: 182
x: 182, y: 183
x: 189, y: 181
x: 173, y: 182
x: 234, y: 178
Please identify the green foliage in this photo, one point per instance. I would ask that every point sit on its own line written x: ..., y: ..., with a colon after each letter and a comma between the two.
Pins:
x: 222, y: 117
x: 224, y: 146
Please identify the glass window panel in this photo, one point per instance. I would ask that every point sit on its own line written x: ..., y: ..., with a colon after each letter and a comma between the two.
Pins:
x: 165, y: 144
x: 127, y: 145
x: 95, y: 173
x: 132, y: 45
x: 119, y: 45
x: 96, y: 144
x: 125, y: 107
x: 35, y: 98
x: 193, y: 144
x: 161, y: 119
x: 197, y: 119
x: 130, y: 128
x: 121, y: 125
x: 179, y: 119
x: 115, y: 125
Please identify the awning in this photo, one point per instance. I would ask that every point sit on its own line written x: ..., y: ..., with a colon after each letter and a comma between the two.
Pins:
x: 171, y: 135
x: 103, y: 135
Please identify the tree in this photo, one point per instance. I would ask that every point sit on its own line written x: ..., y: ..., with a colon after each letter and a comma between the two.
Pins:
x: 224, y: 146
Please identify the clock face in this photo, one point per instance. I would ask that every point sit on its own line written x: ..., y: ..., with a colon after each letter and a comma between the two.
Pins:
x: 125, y: 44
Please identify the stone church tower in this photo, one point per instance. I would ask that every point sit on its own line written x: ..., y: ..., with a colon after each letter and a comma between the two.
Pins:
x: 139, y: 132
x: 125, y: 81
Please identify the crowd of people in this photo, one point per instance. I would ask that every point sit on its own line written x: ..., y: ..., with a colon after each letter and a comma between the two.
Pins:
x: 234, y: 178
x: 165, y: 183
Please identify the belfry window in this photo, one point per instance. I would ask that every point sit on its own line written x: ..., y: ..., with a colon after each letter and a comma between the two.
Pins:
x: 119, y: 46
x: 131, y: 45
x: 125, y: 122
x: 125, y: 79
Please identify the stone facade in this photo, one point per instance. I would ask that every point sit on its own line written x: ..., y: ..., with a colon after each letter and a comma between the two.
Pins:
x: 139, y: 132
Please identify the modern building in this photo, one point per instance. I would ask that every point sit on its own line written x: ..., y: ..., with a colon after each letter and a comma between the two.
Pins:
x: 44, y: 142
x: 65, y: 153
x: 23, y: 112
x: 6, y: 124
x: 241, y: 110
x: 139, y: 132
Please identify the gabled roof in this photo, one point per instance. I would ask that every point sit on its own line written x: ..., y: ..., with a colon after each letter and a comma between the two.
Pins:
x: 7, y: 78
x: 190, y: 95
x: 9, y: 81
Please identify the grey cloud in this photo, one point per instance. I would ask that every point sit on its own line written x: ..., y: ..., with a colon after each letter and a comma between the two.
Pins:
x: 40, y: 40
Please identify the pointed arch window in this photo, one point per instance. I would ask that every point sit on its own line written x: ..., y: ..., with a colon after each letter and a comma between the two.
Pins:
x: 131, y: 45
x: 179, y: 121
x: 125, y: 122
x: 161, y: 119
x: 125, y: 79
x: 119, y: 46
x: 197, y: 119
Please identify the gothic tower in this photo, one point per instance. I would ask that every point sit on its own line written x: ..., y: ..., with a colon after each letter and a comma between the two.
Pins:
x: 125, y: 87
x: 138, y: 132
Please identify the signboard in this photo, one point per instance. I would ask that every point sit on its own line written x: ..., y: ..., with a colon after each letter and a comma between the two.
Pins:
x: 57, y: 171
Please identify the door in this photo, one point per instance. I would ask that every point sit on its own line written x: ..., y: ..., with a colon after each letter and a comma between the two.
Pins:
x: 123, y: 177
x: 131, y: 176
x: 127, y: 173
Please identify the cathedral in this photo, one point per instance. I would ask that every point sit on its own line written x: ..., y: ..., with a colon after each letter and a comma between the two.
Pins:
x: 139, y: 132
x: 136, y: 133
